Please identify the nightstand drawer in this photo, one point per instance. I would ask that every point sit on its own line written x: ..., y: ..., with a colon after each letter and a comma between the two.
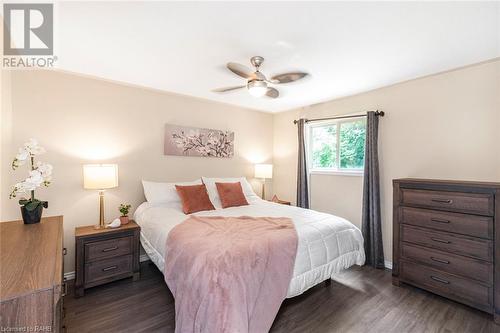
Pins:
x: 108, y: 248
x: 108, y: 268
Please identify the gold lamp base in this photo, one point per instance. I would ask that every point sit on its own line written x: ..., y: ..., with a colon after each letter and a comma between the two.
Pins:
x: 101, y: 224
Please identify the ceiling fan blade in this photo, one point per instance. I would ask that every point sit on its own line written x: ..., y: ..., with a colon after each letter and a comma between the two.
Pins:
x: 227, y: 89
x: 240, y: 70
x: 288, y: 77
x: 273, y: 93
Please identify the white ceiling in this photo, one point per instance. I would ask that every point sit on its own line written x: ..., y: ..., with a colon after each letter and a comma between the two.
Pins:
x: 348, y: 47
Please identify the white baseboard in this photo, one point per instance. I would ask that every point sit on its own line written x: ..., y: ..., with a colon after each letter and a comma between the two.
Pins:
x: 388, y: 264
x: 71, y: 275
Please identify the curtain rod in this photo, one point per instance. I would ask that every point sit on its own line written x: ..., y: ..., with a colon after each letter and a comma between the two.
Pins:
x: 377, y: 113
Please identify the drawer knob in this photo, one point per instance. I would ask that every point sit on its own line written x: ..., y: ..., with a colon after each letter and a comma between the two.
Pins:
x: 435, y: 278
x: 439, y: 220
x: 439, y: 240
x: 110, y: 268
x: 110, y: 249
x: 440, y: 260
x: 445, y: 201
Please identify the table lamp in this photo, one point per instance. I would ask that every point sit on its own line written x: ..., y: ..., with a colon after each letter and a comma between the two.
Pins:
x: 263, y: 171
x: 100, y: 177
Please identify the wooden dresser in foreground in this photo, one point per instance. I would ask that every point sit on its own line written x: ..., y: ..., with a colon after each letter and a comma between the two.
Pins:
x: 31, y: 276
x: 105, y: 255
x: 445, y: 240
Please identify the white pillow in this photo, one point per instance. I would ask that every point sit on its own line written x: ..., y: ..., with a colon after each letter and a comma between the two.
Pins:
x: 165, y: 193
x: 213, y: 194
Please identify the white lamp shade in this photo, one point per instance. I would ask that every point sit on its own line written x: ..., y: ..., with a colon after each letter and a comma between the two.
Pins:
x: 100, y: 176
x: 263, y: 171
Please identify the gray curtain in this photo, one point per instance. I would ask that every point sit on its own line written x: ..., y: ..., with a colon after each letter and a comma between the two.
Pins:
x: 371, y: 225
x: 302, y: 186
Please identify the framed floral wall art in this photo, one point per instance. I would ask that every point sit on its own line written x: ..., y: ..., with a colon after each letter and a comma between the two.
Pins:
x: 193, y: 141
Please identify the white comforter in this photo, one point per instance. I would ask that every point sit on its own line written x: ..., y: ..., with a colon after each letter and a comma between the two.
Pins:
x: 327, y: 243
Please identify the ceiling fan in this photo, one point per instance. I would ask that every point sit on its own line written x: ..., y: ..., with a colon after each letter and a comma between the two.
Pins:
x: 257, y: 84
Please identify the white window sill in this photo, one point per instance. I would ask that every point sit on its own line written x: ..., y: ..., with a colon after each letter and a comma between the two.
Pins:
x: 358, y: 173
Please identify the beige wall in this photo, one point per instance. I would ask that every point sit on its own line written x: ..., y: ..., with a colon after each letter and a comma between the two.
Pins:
x: 442, y: 126
x: 82, y: 120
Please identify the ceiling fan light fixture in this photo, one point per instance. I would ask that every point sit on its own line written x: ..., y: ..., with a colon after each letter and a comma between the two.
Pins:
x: 257, y: 88
x: 256, y: 81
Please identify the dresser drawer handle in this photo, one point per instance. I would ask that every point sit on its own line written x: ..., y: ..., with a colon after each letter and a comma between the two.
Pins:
x: 445, y: 201
x: 435, y: 278
x: 110, y: 268
x: 110, y: 249
x: 439, y: 220
x: 439, y: 240
x: 65, y: 251
x: 440, y: 260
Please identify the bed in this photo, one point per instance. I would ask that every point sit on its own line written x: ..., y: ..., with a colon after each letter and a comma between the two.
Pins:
x: 327, y: 244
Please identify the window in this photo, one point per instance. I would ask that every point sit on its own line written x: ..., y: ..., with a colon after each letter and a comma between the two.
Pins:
x: 337, y: 146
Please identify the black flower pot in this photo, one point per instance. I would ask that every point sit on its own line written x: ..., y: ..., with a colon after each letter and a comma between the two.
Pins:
x: 32, y: 216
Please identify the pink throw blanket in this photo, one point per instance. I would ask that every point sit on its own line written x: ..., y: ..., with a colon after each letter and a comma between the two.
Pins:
x: 229, y: 274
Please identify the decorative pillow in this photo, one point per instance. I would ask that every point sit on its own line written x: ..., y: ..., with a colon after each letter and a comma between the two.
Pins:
x: 165, y: 193
x: 194, y: 198
x: 231, y: 194
x: 250, y: 195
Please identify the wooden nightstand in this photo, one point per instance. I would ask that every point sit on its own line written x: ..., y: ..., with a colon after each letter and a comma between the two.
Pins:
x: 105, y: 255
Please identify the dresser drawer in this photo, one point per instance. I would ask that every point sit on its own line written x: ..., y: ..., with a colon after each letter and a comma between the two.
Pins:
x: 463, y: 245
x: 473, y: 225
x: 474, y: 203
x: 107, y: 268
x: 451, y: 263
x: 448, y: 285
x: 108, y: 248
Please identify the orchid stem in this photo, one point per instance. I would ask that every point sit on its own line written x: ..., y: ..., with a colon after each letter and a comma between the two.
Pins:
x: 32, y: 168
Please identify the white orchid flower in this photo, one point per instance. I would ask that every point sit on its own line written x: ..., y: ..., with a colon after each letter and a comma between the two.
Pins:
x: 35, y: 178
x: 33, y: 148
x: 40, y: 173
x: 44, y: 168
x: 23, y: 187
x: 22, y: 155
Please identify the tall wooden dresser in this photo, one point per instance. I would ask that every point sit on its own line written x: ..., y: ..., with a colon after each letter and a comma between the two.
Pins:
x: 445, y: 240
x: 31, y: 276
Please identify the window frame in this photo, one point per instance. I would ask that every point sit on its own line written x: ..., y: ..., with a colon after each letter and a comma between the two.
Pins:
x: 329, y: 171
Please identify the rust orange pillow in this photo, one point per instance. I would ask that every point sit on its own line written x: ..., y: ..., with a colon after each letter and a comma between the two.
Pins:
x: 194, y: 198
x: 231, y: 194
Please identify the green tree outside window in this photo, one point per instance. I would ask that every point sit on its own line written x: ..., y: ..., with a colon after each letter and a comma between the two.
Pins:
x: 338, y: 145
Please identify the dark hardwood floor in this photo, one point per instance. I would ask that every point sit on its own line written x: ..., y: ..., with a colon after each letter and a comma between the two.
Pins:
x: 360, y: 299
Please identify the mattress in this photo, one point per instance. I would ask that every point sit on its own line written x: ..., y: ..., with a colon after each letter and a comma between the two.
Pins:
x: 327, y: 244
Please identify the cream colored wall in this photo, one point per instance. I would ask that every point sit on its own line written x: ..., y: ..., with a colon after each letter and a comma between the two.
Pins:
x: 442, y: 126
x: 82, y: 120
x: 285, y: 155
